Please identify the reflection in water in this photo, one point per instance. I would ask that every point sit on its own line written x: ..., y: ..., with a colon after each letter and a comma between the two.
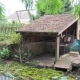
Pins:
x: 3, y: 77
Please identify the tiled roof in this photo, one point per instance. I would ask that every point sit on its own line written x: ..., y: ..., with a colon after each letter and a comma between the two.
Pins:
x: 50, y: 24
x: 21, y: 14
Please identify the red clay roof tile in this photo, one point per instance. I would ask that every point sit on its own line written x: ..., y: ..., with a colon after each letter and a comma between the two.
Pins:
x: 49, y: 23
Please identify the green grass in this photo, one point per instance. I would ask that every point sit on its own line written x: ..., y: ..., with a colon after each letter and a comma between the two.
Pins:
x: 24, y: 72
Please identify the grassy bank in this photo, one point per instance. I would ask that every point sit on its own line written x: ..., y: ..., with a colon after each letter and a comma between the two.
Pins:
x: 23, y: 72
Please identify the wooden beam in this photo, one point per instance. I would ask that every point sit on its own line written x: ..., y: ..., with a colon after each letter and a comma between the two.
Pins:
x: 77, y: 31
x: 66, y: 33
x: 40, y: 34
x: 57, y: 48
x: 73, y: 35
x: 67, y: 26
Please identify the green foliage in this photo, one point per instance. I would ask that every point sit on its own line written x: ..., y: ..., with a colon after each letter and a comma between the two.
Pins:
x: 13, y: 23
x: 1, y: 38
x: 2, y: 10
x: 5, y: 53
x: 16, y: 56
x: 28, y: 4
x: 31, y: 16
x: 7, y: 29
x: 24, y: 72
x: 77, y: 8
x: 48, y: 6
x: 16, y: 39
x: 67, y: 6
x: 10, y: 75
x: 27, y: 56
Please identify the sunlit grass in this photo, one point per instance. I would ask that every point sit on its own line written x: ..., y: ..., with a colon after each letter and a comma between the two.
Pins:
x: 24, y: 72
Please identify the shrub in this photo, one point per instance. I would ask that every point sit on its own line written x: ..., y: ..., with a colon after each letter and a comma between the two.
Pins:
x: 16, y: 39
x: 2, y: 38
x: 27, y: 55
x: 5, y: 53
x: 16, y: 57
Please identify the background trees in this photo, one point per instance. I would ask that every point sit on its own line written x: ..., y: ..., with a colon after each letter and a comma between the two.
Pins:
x: 28, y: 4
x: 48, y: 7
x: 77, y: 8
x: 52, y: 7
x: 67, y: 6
x: 2, y: 11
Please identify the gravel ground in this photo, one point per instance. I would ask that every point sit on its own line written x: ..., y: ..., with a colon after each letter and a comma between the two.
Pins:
x: 46, y: 60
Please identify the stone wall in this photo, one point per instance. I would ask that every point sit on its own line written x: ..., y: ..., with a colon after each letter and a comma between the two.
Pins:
x: 50, y: 47
x: 14, y: 50
x: 35, y: 48
x: 38, y: 48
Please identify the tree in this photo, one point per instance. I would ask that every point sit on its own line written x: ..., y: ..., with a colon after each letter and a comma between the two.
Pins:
x: 2, y: 10
x: 48, y: 7
x: 77, y: 8
x: 67, y: 6
x: 28, y: 4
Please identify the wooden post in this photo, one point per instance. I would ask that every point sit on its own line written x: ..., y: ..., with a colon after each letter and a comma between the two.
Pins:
x: 77, y: 31
x: 20, y: 50
x: 57, y: 48
x: 20, y: 54
x: 73, y: 35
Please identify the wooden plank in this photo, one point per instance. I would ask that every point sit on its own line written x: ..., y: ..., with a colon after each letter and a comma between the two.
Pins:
x: 63, y: 63
x: 77, y: 31
x: 57, y: 48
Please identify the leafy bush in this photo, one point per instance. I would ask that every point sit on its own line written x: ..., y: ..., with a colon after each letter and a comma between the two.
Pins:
x: 16, y: 39
x: 2, y: 38
x: 5, y: 53
x: 16, y: 57
x: 27, y: 55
